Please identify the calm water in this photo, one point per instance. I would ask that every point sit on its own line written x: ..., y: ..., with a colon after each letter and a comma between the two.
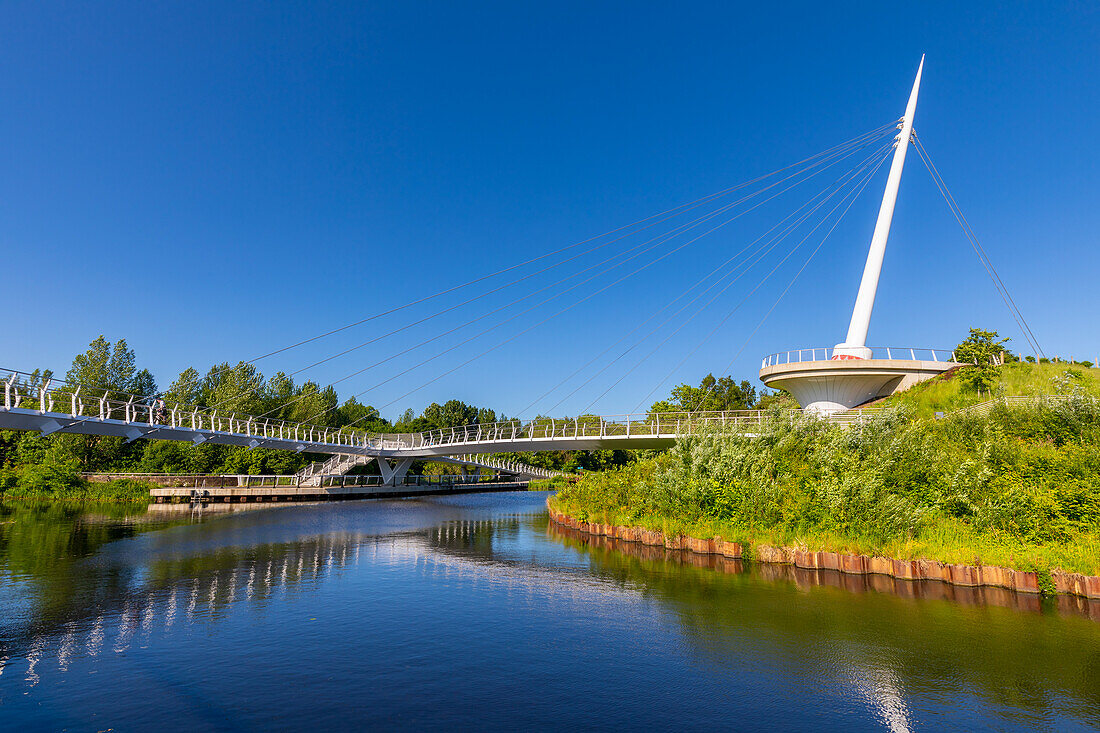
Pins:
x: 470, y: 611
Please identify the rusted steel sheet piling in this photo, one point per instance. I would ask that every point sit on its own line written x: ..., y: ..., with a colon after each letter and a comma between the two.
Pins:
x: 964, y: 576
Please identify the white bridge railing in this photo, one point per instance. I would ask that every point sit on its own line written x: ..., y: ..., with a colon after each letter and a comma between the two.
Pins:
x: 73, y: 405
x: 640, y: 425
x: 825, y: 353
x: 82, y: 403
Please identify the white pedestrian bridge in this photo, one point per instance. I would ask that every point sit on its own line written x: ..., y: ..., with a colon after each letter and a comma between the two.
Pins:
x: 49, y: 406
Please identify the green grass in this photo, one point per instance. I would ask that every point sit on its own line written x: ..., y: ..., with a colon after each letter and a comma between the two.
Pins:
x: 547, y: 484
x: 947, y: 392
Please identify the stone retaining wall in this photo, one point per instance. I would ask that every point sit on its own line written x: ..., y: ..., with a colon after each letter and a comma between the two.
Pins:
x: 1086, y: 586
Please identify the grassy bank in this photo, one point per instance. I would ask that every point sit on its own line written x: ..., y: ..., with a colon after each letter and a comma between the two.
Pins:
x: 61, y: 481
x: 547, y: 484
x: 949, y: 392
x: 1019, y: 487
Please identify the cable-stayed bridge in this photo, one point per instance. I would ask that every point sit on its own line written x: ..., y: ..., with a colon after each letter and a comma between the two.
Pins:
x: 830, y: 383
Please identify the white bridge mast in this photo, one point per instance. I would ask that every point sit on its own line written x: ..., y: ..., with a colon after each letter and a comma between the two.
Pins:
x: 854, y: 346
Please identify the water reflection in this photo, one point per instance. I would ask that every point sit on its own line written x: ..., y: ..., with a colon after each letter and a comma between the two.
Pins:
x: 74, y: 586
x: 77, y: 586
x: 805, y: 578
x: 931, y: 641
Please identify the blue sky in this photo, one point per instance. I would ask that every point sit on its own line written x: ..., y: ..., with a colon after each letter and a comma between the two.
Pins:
x: 212, y: 181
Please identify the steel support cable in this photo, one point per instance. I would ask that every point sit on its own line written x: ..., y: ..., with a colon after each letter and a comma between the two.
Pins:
x: 671, y: 212
x: 747, y: 267
x: 550, y: 267
x: 649, y: 318
x: 790, y: 285
x: 662, y: 240
x: 976, y: 245
x: 881, y: 152
x: 857, y: 190
x: 983, y: 258
x: 762, y: 251
x: 560, y: 312
x: 664, y: 237
x: 855, y: 141
x: 545, y: 320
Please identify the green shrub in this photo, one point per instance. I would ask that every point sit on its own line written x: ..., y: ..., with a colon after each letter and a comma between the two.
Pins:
x: 49, y: 479
x: 61, y: 480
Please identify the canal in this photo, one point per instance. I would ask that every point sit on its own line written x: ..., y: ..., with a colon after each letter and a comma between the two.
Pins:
x: 470, y: 611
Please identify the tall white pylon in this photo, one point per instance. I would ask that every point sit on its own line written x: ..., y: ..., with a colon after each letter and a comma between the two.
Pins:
x: 854, y: 346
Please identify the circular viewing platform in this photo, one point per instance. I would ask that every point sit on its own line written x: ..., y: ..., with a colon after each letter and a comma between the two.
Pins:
x: 827, y: 383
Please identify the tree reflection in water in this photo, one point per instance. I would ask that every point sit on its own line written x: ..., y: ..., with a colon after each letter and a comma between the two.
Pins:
x: 80, y: 582
x: 892, y: 644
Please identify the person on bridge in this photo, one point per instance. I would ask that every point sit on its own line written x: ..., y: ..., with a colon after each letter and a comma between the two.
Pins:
x: 160, y: 411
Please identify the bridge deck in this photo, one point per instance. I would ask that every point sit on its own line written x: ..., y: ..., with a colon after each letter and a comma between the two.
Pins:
x: 418, y: 445
x: 37, y: 406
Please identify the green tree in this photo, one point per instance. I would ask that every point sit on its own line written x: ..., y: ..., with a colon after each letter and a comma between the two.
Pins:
x: 279, y: 391
x: 143, y: 384
x: 187, y: 389
x: 103, y: 368
x: 452, y: 413
x: 313, y: 405
x: 235, y: 389
x: 104, y: 365
x: 982, y: 352
x: 364, y: 417
x: 712, y: 395
x: 780, y: 398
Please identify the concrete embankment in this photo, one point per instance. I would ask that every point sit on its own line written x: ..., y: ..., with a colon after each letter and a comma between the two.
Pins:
x: 1016, y: 581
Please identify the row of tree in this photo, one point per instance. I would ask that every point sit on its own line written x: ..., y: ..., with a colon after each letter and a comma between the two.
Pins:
x: 112, y: 369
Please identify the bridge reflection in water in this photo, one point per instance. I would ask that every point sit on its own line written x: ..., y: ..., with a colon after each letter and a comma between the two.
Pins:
x: 109, y: 604
x: 123, y: 589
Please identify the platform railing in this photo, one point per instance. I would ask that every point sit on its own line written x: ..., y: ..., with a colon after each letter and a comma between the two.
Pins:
x: 825, y: 353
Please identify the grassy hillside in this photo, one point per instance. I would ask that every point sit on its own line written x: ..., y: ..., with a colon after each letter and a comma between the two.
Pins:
x: 948, y: 392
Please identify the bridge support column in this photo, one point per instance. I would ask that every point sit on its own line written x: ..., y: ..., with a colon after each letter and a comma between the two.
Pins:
x: 391, y: 473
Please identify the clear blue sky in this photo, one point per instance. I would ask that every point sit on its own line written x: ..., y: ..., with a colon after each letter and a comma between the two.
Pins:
x: 212, y: 180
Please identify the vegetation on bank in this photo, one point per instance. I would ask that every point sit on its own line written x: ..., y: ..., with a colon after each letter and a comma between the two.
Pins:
x: 62, y: 481
x: 548, y: 484
x: 33, y: 466
x: 1018, y: 487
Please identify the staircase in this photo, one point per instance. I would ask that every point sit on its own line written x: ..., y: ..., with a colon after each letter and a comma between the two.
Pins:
x: 338, y: 465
